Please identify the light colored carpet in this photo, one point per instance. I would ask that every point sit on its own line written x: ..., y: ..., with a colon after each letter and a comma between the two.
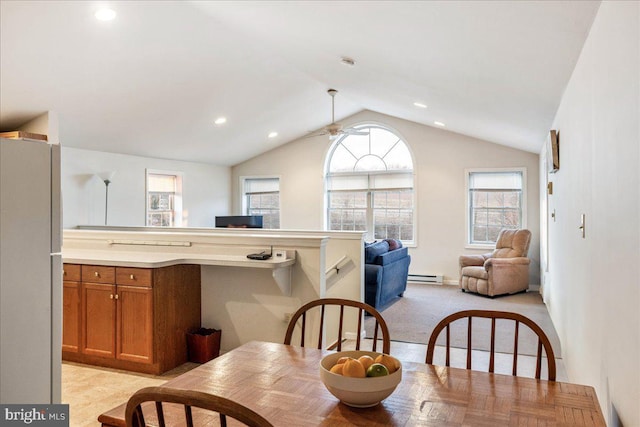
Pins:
x: 413, y: 317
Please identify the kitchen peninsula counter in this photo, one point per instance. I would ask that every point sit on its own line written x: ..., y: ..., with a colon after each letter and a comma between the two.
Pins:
x: 246, y: 299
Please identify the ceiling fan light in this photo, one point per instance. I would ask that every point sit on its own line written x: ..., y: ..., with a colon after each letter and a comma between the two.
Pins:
x: 420, y: 104
x: 438, y: 124
x: 272, y: 134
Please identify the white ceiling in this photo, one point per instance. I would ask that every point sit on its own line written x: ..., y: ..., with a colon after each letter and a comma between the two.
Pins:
x: 152, y: 81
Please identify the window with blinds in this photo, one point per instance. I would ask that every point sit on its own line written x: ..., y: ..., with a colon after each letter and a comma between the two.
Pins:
x: 369, y: 185
x: 261, y: 196
x: 164, y: 199
x: 495, y: 201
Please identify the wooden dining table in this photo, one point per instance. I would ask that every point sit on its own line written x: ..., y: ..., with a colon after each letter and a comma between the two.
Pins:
x: 282, y: 383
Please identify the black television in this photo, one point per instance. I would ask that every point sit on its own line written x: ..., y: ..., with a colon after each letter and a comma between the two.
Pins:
x: 239, y: 221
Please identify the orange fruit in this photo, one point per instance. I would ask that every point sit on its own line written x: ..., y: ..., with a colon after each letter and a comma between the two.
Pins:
x: 342, y: 360
x: 387, y: 361
x: 337, y: 368
x: 366, y: 361
x: 353, y: 368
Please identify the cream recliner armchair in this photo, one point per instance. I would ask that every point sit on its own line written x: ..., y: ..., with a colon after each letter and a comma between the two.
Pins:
x: 503, y: 271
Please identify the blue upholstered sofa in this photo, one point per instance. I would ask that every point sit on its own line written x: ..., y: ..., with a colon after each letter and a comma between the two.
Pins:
x: 385, y: 272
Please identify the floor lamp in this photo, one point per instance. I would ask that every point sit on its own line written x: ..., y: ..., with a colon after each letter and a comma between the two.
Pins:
x: 106, y: 177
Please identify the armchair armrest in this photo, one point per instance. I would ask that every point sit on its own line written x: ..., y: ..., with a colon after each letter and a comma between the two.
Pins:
x: 392, y: 256
x: 468, y: 260
x: 507, y: 275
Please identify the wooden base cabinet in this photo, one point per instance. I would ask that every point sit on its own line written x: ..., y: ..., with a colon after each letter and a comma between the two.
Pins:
x: 98, y: 319
x: 136, y: 319
x: 71, y: 308
x: 134, y: 324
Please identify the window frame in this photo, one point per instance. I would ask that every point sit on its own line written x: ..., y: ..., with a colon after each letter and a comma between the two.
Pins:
x: 243, y: 195
x: 370, y: 233
x: 523, y: 205
x: 177, y: 197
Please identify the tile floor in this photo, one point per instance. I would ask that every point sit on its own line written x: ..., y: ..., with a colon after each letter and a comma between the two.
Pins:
x: 91, y: 390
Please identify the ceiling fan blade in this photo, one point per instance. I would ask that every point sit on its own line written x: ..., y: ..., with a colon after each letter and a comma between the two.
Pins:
x: 314, y: 134
x: 355, y: 132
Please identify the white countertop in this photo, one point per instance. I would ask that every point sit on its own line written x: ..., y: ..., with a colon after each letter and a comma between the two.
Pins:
x: 164, y: 259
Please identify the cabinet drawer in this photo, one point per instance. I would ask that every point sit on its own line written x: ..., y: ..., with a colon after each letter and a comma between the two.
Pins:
x: 133, y: 276
x: 98, y: 274
x: 71, y: 272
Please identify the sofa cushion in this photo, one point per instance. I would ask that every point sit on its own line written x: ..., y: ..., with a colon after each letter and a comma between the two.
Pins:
x: 393, y: 244
x: 373, y: 250
x: 477, y: 272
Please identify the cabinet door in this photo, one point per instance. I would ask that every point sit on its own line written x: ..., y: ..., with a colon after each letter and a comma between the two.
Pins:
x: 134, y: 324
x: 98, y: 319
x: 71, y: 316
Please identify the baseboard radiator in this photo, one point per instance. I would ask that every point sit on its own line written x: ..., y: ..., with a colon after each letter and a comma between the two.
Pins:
x: 425, y: 278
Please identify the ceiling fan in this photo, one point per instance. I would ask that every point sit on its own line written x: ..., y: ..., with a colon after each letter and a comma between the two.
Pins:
x: 335, y: 130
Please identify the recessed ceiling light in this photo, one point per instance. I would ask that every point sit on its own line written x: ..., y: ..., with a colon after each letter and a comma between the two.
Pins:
x: 221, y: 120
x: 420, y: 105
x: 438, y: 124
x: 272, y: 134
x: 105, y: 14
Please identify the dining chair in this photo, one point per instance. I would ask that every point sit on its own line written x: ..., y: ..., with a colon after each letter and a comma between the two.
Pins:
x: 543, y: 340
x: 188, y: 399
x: 321, y: 304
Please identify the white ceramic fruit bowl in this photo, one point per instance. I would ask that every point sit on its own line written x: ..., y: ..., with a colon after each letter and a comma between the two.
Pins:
x: 358, y: 392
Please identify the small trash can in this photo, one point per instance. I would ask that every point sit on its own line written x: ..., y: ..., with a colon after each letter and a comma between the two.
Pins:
x: 203, y: 345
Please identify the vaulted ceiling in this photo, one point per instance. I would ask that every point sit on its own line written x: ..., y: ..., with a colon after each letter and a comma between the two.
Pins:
x: 152, y: 81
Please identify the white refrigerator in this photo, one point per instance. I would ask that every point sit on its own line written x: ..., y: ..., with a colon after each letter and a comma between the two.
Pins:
x: 30, y: 272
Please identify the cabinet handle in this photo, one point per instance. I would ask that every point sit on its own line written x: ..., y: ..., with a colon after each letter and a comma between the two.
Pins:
x: 116, y: 296
x: 97, y: 274
x: 64, y: 273
x: 111, y: 296
x: 132, y: 277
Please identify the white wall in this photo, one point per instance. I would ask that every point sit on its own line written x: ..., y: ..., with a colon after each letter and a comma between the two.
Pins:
x: 441, y: 158
x: 205, y: 189
x: 592, y: 288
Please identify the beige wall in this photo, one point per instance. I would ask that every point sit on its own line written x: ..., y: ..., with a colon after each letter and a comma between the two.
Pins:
x: 441, y: 158
x: 592, y: 287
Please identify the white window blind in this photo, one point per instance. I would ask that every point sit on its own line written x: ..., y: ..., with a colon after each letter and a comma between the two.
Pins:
x: 162, y: 183
x: 384, y: 181
x: 496, y: 181
x: 261, y: 185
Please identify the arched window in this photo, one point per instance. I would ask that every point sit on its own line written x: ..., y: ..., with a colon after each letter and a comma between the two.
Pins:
x: 369, y: 181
